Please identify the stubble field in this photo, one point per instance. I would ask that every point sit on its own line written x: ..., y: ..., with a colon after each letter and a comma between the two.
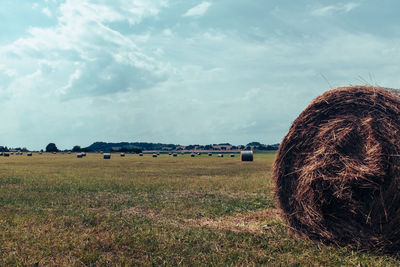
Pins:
x: 61, y: 210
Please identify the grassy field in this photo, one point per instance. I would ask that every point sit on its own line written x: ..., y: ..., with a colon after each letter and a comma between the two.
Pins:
x: 60, y: 210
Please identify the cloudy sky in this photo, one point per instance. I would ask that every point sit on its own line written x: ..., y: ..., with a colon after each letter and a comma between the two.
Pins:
x: 74, y: 72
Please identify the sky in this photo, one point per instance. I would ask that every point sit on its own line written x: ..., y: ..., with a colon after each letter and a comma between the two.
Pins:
x: 74, y: 72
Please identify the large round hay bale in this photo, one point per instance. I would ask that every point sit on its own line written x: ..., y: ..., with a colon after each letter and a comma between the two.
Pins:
x: 106, y: 156
x: 246, y: 155
x: 79, y: 155
x: 337, y: 170
x: 29, y: 154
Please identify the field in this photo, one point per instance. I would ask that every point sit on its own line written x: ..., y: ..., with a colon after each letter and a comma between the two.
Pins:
x: 60, y: 210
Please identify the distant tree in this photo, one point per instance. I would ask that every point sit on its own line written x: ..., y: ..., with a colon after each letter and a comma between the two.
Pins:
x: 254, y: 144
x: 51, y: 148
x: 208, y: 147
x: 76, y: 149
x: 190, y: 147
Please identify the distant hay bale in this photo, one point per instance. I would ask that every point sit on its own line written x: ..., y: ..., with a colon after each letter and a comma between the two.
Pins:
x: 337, y: 170
x: 198, y: 153
x: 140, y: 154
x: 246, y: 155
x: 209, y: 154
x: 170, y: 153
x: 83, y: 154
x: 155, y: 155
x: 232, y: 155
x: 122, y: 154
x: 79, y: 155
x: 192, y: 155
x: 29, y: 154
x: 220, y: 155
x: 174, y: 154
x: 6, y: 154
x: 107, y: 156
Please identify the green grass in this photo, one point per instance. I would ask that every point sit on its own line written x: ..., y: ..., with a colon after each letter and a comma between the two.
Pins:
x: 60, y: 210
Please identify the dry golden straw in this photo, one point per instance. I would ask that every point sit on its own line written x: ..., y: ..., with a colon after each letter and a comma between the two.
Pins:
x: 337, y: 171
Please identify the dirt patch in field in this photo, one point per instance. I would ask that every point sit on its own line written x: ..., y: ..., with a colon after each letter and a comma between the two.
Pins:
x: 252, y: 222
x: 255, y: 222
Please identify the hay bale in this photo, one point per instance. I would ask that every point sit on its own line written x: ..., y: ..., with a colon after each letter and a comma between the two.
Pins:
x: 220, y: 155
x: 232, y: 155
x: 210, y: 154
x: 83, y: 154
x: 107, y: 156
x: 122, y: 154
x: 79, y: 155
x: 174, y: 154
x: 337, y: 170
x: 155, y: 155
x: 246, y: 155
x: 6, y: 154
x: 29, y: 154
x: 140, y: 154
x: 192, y: 155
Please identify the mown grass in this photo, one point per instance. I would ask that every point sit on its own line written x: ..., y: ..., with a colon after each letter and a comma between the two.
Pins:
x: 60, y: 210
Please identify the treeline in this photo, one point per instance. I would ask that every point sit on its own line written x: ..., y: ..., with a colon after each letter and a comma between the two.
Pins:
x: 137, y: 147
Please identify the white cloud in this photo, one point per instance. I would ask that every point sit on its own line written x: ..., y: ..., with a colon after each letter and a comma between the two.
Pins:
x: 198, y: 10
x: 47, y: 12
x: 331, y: 9
x: 108, y: 61
x: 167, y: 32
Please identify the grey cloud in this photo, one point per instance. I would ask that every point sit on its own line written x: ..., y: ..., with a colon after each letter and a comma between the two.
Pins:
x: 104, y: 75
